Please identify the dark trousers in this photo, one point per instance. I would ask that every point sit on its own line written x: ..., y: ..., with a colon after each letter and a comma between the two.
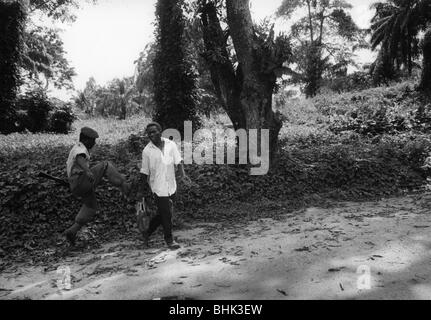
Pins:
x: 82, y: 188
x: 163, y: 217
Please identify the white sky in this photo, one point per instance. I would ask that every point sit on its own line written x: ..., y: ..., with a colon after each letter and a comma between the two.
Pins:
x: 107, y: 38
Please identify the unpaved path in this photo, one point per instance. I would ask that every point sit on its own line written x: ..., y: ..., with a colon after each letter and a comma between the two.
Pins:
x: 313, y: 253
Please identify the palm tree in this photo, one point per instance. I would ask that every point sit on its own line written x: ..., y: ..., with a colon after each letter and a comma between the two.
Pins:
x: 425, y: 84
x: 395, y: 28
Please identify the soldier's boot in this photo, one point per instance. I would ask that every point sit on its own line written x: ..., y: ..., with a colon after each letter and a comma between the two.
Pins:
x: 70, y: 233
x: 85, y: 215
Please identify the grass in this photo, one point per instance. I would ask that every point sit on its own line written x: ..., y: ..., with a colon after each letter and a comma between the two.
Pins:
x: 111, y: 132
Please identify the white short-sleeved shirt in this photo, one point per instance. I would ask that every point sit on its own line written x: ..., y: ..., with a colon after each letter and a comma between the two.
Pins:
x: 72, y: 166
x: 160, y: 167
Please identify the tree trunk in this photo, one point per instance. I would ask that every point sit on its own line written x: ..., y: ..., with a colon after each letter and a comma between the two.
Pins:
x: 245, y: 93
x: 383, y: 69
x: 425, y: 84
x: 12, y: 20
x: 123, y: 113
x: 174, y: 77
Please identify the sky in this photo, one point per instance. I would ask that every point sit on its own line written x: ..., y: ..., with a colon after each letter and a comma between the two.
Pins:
x: 107, y: 38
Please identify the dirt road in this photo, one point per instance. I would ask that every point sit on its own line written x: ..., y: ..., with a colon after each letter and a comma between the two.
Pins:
x: 371, y: 250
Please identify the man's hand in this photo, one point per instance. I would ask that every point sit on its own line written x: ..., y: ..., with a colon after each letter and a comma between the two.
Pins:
x: 182, y: 175
x: 186, y: 180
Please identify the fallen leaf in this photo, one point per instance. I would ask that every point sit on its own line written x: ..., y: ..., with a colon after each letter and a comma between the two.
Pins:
x: 303, y: 249
x: 282, y: 292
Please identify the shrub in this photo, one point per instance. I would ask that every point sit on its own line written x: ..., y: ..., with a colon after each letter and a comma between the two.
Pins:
x: 377, y: 111
x: 33, y: 109
x: 61, y: 119
x: 353, y: 82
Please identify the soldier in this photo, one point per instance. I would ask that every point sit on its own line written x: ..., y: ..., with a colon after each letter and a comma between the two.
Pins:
x: 83, y: 180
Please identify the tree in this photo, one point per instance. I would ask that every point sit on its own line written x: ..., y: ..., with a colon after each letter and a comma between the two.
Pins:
x: 395, y: 30
x: 324, y: 40
x: 425, y: 83
x: 38, y: 49
x: 126, y: 90
x: 62, y: 10
x: 114, y: 99
x: 244, y: 78
x: 43, y: 50
x: 206, y: 99
x: 144, y: 78
x: 44, y: 55
x: 174, y: 77
x: 396, y: 26
x: 12, y: 19
x: 86, y: 99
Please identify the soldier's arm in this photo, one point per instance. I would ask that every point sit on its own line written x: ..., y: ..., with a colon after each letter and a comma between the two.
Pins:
x: 83, y: 163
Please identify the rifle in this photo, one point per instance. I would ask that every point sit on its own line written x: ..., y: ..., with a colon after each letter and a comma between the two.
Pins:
x: 59, y: 181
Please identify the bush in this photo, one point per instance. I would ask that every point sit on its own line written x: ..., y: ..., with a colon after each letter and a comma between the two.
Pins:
x: 353, y: 82
x: 377, y: 111
x: 61, y: 119
x: 33, y: 111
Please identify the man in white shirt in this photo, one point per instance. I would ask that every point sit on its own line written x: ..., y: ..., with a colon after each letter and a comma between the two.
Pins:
x: 160, y: 159
x: 83, y: 180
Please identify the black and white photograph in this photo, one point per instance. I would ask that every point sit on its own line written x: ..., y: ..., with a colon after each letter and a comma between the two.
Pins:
x: 215, y: 150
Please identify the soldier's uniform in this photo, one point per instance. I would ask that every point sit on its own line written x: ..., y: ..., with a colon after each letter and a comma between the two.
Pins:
x: 83, y: 188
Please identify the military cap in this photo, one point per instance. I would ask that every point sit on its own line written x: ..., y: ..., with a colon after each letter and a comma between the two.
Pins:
x: 86, y: 131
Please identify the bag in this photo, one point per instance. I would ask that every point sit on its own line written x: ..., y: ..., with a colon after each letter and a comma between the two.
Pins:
x: 143, y: 217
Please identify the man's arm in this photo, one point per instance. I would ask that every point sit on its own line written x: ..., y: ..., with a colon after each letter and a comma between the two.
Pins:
x: 182, y: 174
x: 180, y: 170
x: 144, y: 189
x: 81, y: 161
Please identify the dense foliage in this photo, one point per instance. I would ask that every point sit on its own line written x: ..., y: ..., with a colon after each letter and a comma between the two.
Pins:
x: 32, y: 58
x: 44, y: 61
x: 61, y: 118
x: 325, y: 38
x: 174, y: 78
x: 35, y: 112
x: 396, y: 28
x: 12, y: 19
x: 118, y: 98
x: 377, y: 111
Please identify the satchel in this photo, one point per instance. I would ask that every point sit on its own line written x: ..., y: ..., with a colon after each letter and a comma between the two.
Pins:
x: 143, y: 216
